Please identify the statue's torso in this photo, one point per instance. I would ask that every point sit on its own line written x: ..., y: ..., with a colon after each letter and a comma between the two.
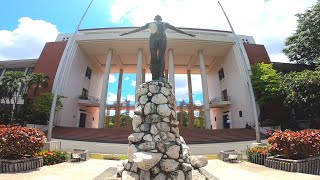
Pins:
x: 158, y: 30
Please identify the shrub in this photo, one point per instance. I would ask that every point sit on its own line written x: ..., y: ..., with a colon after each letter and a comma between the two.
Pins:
x: 18, y: 142
x: 296, y: 145
x: 259, y: 150
x: 258, y: 154
x: 53, y: 157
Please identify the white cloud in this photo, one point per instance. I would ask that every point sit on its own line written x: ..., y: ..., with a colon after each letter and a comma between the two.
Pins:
x: 112, y: 78
x: 127, y: 78
x: 111, y: 98
x: 131, y: 97
x: 27, y: 40
x: 198, y: 103
x: 280, y: 57
x: 133, y: 83
x: 181, y: 86
x: 269, y: 22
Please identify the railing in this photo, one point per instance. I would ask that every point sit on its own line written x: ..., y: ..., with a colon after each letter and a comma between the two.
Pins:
x: 90, y: 98
x: 219, y: 99
x: 123, y: 103
x: 184, y: 103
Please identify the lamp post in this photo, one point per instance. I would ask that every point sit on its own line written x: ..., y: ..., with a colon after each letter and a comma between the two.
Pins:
x: 248, y: 80
x: 60, y: 72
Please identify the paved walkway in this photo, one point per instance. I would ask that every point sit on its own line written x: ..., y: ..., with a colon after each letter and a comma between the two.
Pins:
x: 90, y: 169
x: 114, y: 148
x: 248, y: 171
x: 64, y: 171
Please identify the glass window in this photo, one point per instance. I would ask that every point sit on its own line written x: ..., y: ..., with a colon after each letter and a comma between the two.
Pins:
x: 221, y: 74
x: 88, y: 73
x: 30, y: 70
x: 1, y: 71
x: 224, y: 94
x: 85, y: 93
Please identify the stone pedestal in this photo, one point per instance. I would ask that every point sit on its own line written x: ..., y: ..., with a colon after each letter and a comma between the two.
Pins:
x: 156, y: 150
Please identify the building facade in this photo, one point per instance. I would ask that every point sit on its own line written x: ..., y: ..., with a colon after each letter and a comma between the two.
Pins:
x: 79, y: 69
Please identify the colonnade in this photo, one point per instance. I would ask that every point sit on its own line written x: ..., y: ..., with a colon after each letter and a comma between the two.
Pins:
x: 140, y: 78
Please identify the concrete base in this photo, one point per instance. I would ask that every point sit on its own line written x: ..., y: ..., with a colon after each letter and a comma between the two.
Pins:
x: 52, y: 146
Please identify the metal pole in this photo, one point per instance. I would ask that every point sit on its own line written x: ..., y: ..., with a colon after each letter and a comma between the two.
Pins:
x: 60, y: 72
x: 248, y: 80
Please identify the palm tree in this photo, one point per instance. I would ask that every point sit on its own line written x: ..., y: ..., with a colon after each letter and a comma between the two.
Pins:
x: 13, y: 81
x: 38, y: 80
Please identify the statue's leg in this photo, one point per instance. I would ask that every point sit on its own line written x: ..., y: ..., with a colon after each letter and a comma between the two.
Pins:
x: 162, y: 51
x: 154, y: 64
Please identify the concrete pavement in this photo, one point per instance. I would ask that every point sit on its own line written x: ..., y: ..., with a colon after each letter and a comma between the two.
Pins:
x: 90, y: 169
x: 247, y: 171
x: 113, y: 148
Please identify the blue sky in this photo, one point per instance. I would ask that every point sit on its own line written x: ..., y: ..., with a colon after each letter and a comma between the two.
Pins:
x: 26, y: 25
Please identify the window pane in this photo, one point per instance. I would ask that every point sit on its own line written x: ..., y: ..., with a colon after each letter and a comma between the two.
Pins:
x: 30, y: 70
x: 221, y: 74
x: 88, y: 73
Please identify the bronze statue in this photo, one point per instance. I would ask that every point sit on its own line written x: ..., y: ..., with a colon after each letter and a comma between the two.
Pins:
x: 157, y: 44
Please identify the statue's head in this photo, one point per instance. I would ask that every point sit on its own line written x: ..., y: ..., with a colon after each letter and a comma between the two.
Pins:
x: 157, y: 18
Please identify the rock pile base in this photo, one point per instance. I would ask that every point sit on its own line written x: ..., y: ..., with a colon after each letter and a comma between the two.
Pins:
x: 156, y: 150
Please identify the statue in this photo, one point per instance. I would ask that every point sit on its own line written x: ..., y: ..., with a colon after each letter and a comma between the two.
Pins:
x: 157, y: 44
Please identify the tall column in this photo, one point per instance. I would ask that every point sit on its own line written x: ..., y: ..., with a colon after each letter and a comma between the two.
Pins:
x: 118, y: 104
x: 143, y: 78
x: 171, y: 70
x: 181, y: 114
x: 206, y: 107
x: 190, y: 109
x: 166, y: 74
x: 104, y: 90
x: 139, y: 71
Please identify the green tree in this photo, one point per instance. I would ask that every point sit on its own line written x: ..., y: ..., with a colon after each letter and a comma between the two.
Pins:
x: 304, y: 45
x: 185, y: 118
x: 41, y: 108
x: 38, y: 80
x: 5, y: 110
x: 199, y: 121
x: 13, y: 82
x: 266, y: 83
x: 301, y: 90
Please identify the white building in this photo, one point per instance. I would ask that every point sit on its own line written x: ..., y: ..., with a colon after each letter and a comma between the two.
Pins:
x: 86, y: 62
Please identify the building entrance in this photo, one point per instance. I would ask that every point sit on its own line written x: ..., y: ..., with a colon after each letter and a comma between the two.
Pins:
x: 82, y: 122
x: 226, y: 121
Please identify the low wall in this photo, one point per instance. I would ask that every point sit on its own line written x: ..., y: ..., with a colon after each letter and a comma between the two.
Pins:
x: 52, y: 146
x: 20, y: 164
x: 308, y: 165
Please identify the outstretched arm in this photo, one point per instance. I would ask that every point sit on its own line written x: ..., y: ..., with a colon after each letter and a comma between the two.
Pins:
x: 136, y: 30
x: 178, y: 30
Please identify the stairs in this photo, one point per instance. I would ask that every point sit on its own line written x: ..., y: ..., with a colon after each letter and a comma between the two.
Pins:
x: 120, y: 135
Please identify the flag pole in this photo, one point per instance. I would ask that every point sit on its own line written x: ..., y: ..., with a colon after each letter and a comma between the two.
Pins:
x: 247, y: 78
x: 60, y: 72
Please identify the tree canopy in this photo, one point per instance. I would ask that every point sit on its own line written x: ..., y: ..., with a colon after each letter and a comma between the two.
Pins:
x: 41, y: 108
x: 303, y: 46
x: 265, y: 82
x: 301, y: 90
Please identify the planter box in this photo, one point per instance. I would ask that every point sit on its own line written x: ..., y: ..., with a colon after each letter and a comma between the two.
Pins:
x: 308, y: 165
x: 257, y: 158
x: 20, y: 164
